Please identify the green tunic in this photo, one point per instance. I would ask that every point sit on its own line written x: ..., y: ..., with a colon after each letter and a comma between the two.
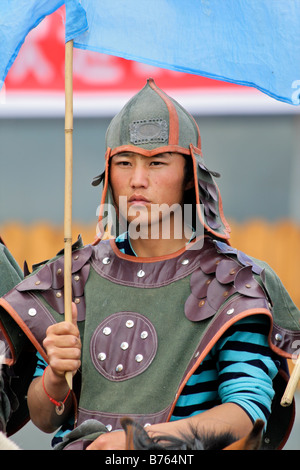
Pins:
x: 151, y: 321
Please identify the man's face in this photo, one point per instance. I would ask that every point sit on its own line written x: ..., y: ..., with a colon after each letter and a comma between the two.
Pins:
x: 146, y: 188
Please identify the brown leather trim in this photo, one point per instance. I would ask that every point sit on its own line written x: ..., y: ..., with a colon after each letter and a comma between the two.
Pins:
x: 136, y: 259
x: 106, y: 263
x: 196, y: 187
x: 281, y: 341
x: 173, y: 116
x: 150, y: 153
x: 11, y: 311
x: 225, y: 223
x: 199, y: 136
x: 218, y: 334
x: 107, y: 158
x: 101, y: 343
x: 198, y: 201
x: 113, y: 419
x: 100, y: 228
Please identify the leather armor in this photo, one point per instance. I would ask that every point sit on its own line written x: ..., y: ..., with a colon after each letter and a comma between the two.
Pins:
x: 146, y: 321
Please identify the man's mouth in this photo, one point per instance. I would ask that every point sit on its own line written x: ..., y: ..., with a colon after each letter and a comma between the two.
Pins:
x: 138, y: 199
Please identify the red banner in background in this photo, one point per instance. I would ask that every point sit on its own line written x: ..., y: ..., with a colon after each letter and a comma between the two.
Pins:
x: 102, y: 83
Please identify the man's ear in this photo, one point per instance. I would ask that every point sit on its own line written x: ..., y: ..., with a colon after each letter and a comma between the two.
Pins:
x: 189, y: 185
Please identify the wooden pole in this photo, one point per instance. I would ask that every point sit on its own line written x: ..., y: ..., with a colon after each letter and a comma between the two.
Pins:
x: 289, y: 392
x: 68, y: 187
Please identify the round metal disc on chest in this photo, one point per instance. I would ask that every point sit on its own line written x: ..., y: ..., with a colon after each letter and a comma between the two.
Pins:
x: 123, y: 345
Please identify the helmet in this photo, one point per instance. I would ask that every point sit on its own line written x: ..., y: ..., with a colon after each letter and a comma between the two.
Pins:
x: 151, y: 123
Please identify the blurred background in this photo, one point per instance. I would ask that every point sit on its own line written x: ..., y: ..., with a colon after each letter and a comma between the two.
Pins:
x: 251, y: 139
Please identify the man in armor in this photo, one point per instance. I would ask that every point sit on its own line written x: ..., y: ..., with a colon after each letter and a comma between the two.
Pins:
x: 171, y: 325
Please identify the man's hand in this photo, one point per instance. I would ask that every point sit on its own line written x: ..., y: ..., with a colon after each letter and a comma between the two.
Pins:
x: 63, y: 346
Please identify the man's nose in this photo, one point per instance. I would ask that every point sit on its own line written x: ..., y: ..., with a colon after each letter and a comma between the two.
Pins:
x: 139, y: 177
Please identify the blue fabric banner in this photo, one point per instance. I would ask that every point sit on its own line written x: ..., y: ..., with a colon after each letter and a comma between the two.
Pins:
x: 17, y: 19
x: 248, y: 42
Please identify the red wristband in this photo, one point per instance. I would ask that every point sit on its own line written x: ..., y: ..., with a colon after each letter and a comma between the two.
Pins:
x: 60, y: 405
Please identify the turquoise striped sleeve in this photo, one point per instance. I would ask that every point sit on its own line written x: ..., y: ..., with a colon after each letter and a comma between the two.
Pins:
x: 239, y: 369
x: 246, y: 367
x: 40, y: 366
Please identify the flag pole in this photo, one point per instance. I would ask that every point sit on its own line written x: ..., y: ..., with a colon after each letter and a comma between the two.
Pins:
x: 289, y: 392
x: 68, y: 187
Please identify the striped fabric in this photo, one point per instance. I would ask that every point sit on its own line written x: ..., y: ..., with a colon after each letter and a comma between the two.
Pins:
x: 239, y: 369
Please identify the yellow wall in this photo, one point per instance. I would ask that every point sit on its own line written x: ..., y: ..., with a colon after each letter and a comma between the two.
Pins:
x: 276, y: 243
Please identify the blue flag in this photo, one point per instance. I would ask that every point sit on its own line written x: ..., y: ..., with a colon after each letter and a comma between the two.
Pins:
x: 248, y: 42
x: 17, y: 19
